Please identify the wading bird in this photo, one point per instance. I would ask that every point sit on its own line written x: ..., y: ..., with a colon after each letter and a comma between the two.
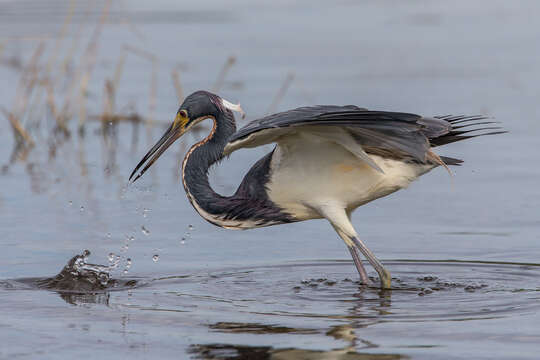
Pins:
x: 328, y: 160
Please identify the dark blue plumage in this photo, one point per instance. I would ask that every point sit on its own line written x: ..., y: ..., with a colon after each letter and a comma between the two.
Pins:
x: 250, y: 201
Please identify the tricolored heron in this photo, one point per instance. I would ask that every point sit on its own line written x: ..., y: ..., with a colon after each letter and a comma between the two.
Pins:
x: 328, y: 160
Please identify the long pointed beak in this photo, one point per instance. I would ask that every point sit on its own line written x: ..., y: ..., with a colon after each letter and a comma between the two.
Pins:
x: 170, y: 136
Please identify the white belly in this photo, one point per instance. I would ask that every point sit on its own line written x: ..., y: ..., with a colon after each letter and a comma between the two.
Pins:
x: 306, y: 175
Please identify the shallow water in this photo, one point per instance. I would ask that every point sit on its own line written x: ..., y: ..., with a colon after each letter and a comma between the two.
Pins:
x: 187, y: 289
x: 268, y: 310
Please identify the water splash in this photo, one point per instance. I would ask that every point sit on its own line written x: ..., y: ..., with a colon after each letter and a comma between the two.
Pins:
x: 79, y: 275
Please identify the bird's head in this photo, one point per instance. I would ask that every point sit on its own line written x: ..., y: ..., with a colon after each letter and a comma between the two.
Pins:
x: 196, y: 107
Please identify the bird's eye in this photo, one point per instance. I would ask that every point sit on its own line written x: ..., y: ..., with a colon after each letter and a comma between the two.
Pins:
x: 183, y: 113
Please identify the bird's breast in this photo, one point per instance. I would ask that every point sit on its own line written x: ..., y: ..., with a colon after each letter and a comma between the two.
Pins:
x: 304, y: 178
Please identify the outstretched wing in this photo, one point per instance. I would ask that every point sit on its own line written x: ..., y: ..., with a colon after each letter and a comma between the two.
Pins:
x: 391, y: 134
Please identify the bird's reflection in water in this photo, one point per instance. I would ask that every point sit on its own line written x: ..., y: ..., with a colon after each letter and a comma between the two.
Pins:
x: 381, y: 305
x: 245, y: 352
x: 346, y: 333
x: 242, y: 352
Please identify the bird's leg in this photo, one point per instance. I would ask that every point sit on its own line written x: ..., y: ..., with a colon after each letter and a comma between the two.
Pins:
x: 341, y: 221
x: 384, y: 275
x: 358, y: 263
x: 356, y: 257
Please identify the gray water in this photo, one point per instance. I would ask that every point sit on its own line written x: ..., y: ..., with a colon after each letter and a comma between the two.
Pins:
x: 463, y: 250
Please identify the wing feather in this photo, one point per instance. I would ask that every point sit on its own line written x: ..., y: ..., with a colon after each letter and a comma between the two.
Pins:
x: 394, y: 134
x: 392, y: 131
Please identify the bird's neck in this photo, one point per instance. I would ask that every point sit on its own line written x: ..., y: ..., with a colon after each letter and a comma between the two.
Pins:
x: 198, y: 161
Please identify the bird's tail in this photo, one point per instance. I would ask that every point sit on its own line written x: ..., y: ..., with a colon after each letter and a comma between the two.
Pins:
x: 465, y: 127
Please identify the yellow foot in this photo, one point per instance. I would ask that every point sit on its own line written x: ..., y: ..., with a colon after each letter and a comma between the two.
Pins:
x: 386, y: 279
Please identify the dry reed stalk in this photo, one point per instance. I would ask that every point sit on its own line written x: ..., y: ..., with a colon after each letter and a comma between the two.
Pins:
x: 177, y: 85
x: 231, y: 60
x: 134, y: 30
x: 21, y: 135
x: 140, y: 52
x: 119, y: 69
x: 27, y: 82
x: 75, y: 42
x: 52, y: 61
x: 90, y: 57
x: 154, y: 80
x: 281, y: 93
x: 153, y: 93
x: 2, y: 46
x: 108, y: 126
x: 61, y: 37
x: 24, y: 90
x: 82, y: 101
x: 51, y: 103
x: 108, y: 101
x: 75, y: 75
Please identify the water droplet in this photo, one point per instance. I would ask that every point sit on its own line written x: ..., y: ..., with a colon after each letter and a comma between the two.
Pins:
x: 155, y: 257
x: 145, y: 212
x: 190, y: 227
x: 128, y: 265
x: 111, y: 257
x: 145, y: 231
x: 109, y: 235
x: 82, y: 208
x: 183, y: 241
x: 131, y: 238
x: 70, y: 202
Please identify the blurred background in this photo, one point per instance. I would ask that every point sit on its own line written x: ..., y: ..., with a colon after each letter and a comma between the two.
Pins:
x: 88, y: 86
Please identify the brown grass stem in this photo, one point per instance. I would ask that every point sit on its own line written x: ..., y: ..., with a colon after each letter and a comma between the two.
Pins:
x: 281, y: 93
x: 231, y: 60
